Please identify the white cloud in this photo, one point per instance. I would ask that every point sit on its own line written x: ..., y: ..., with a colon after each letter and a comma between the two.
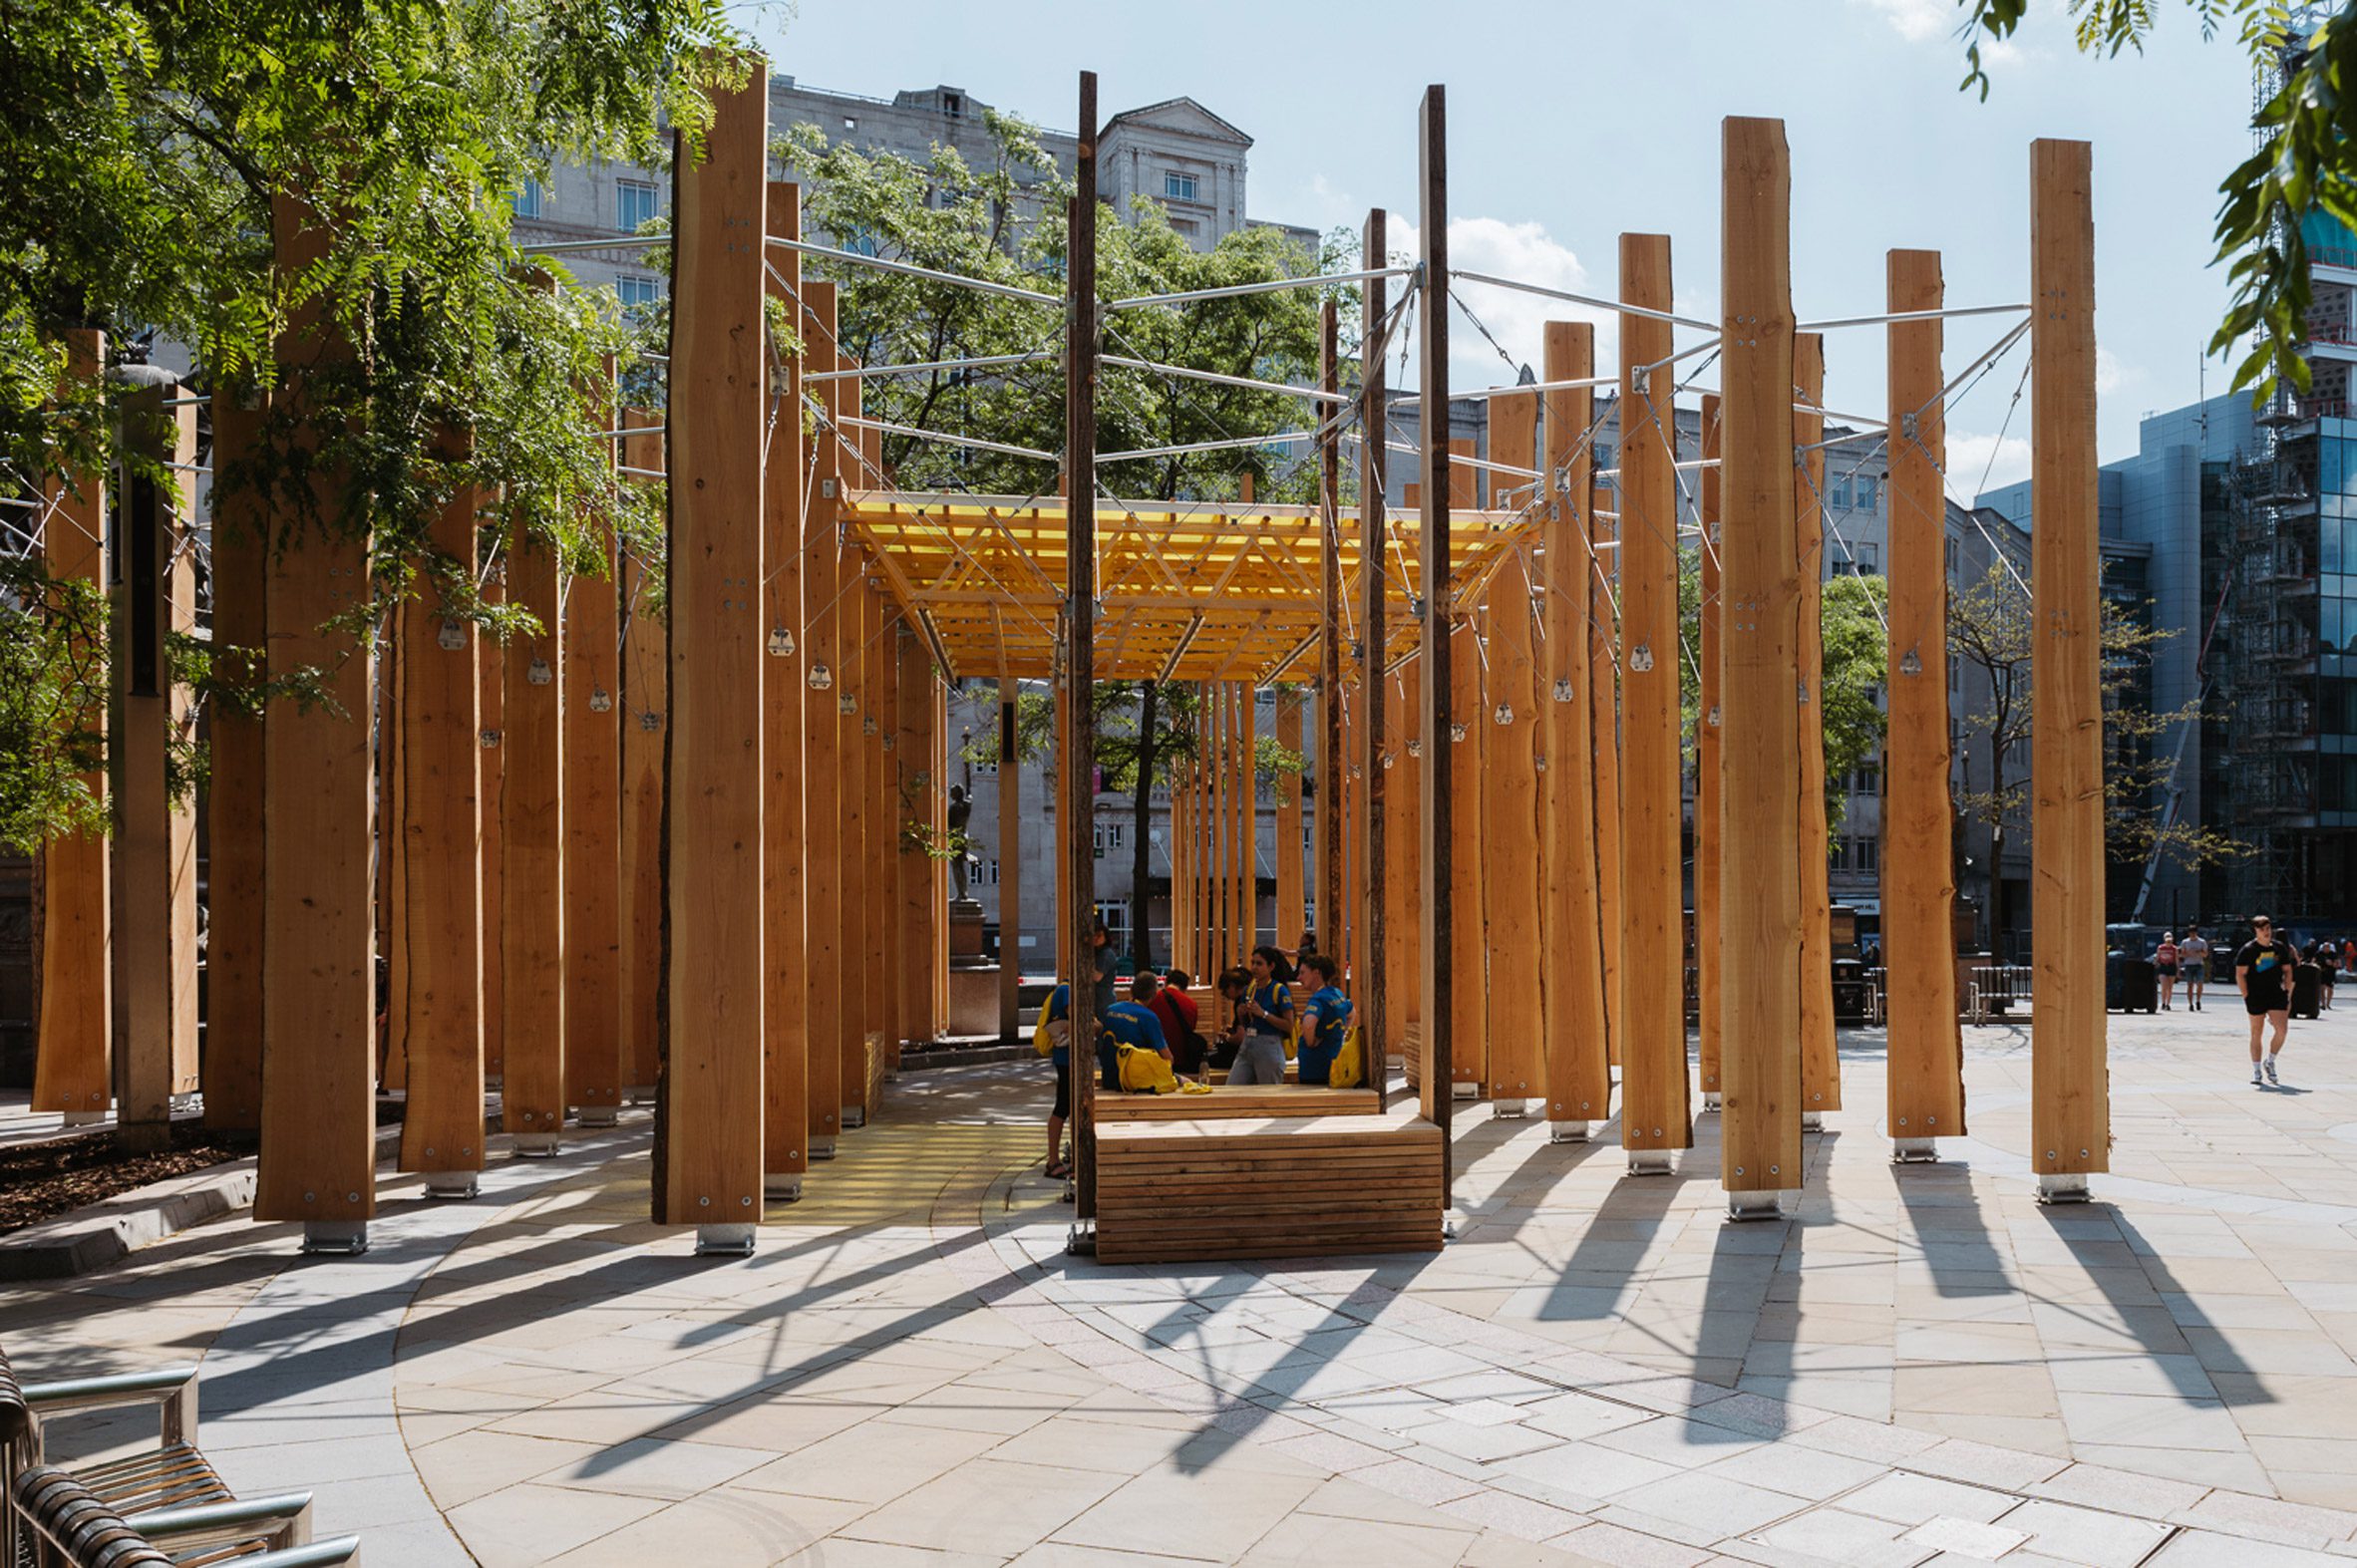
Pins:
x: 1940, y: 21
x: 1970, y: 457
x: 2110, y: 373
x: 1526, y: 254
x: 1915, y: 20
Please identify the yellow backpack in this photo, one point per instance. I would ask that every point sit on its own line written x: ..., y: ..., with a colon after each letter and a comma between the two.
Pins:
x: 1144, y: 1071
x: 1349, y: 1070
x: 1042, y: 1040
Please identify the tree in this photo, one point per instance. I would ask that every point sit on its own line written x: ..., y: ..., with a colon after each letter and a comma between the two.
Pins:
x: 2305, y: 161
x: 1990, y: 628
x: 143, y: 146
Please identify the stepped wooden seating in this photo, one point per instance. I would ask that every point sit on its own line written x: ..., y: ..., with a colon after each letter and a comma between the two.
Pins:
x: 1241, y: 1100
x: 1267, y: 1186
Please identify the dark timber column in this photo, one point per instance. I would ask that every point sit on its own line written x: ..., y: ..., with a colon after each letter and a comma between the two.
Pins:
x: 646, y: 696
x: 232, y: 1069
x: 823, y: 772
x: 532, y: 912
x: 436, y: 950
x: 784, y: 669
x: 1760, y: 729
x: 1571, y: 962
x: 1510, y: 748
x: 1707, y: 800
x: 1336, y: 763
x: 1371, y: 990
x: 593, y: 1068
x: 1656, y: 1113
x: 707, y: 1158
x: 1080, y: 634
x: 1291, y: 863
x: 1820, y: 1066
x: 1247, y: 701
x: 1434, y: 957
x: 1926, y: 1050
x: 2070, y: 1083
x: 1010, y: 864
x: 319, y: 1056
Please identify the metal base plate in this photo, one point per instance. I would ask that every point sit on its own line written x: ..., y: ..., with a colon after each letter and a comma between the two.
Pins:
x: 641, y: 1094
x: 782, y: 1189
x: 600, y: 1115
x: 1081, y: 1240
x: 85, y: 1119
x: 1711, y: 1100
x: 1813, y: 1122
x: 1511, y: 1108
x: 1566, y: 1133
x: 854, y: 1117
x: 724, y: 1241
x: 1648, y: 1161
x: 536, y: 1145
x: 1466, y: 1090
x: 822, y: 1148
x: 1914, y: 1151
x: 2062, y: 1188
x: 337, y: 1238
x: 454, y: 1184
x: 1760, y: 1204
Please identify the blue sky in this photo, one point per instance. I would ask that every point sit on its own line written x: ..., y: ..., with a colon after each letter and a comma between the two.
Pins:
x: 1574, y: 120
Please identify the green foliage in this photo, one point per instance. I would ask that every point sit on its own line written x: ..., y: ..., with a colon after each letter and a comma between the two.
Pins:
x: 2303, y: 163
x: 52, y: 641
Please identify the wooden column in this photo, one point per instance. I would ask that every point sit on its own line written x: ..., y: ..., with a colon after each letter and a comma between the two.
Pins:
x: 1059, y: 833
x: 1820, y: 1066
x: 2070, y: 1081
x: 1656, y: 1113
x: 1248, y: 800
x: 1603, y: 694
x: 1925, y: 1098
x: 532, y: 912
x: 1080, y: 646
x: 1434, y: 948
x: 1404, y: 835
x: 594, y: 1072
x: 822, y: 757
x: 1707, y: 798
x: 318, y: 1145
x: 895, y: 974
x: 1571, y: 964
x: 860, y: 893
x: 1291, y: 918
x: 154, y: 865
x: 490, y: 716
x: 785, y: 674
x: 1461, y: 740
x: 647, y: 697
x: 1511, y: 746
x: 232, y: 1067
x: 915, y: 782
x: 1760, y: 728
x: 437, y: 947
x: 1215, y: 835
x: 1372, y: 989
x: 708, y: 1149
x: 1010, y: 863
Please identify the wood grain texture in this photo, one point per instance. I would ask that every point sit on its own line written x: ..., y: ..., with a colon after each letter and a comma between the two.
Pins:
x: 1925, y: 1093
x: 232, y: 1069
x: 711, y: 1104
x: 1435, y: 947
x: 2070, y: 1078
x: 532, y: 904
x: 1512, y: 732
x: 1603, y: 727
x: 437, y: 946
x: 1571, y: 962
x: 785, y: 673
x: 1821, y: 1064
x: 853, y: 684
x: 319, y: 1049
x: 822, y: 770
x: 1463, y: 740
x: 1707, y: 799
x: 491, y: 715
x: 1010, y: 865
x: 1290, y: 917
x: 1375, y: 983
x: 1759, y: 622
x: 645, y: 698
x: 594, y: 1071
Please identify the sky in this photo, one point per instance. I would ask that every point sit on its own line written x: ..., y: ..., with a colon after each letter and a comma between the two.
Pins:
x: 1574, y: 120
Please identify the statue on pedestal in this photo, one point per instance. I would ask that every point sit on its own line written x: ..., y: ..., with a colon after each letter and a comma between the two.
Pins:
x: 961, y: 812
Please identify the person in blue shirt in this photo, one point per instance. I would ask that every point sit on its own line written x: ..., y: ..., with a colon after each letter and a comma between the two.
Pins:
x: 1267, y: 1017
x: 1325, y: 1016
x: 1132, y: 1023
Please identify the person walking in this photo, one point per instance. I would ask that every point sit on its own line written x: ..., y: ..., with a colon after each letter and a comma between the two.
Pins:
x: 1055, y: 1024
x: 2164, y: 960
x: 1268, y: 1020
x: 2263, y: 972
x: 2326, y: 956
x: 2193, y: 961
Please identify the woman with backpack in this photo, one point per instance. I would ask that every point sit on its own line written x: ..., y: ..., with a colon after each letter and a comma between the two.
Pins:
x: 1325, y: 1017
x: 1267, y: 1021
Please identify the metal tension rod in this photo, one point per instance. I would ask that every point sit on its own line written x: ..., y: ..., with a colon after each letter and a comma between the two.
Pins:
x: 925, y: 367
x: 1612, y: 305
x: 1313, y: 280
x: 910, y: 269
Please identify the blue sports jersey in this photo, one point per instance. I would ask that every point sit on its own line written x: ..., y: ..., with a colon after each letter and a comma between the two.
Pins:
x: 1321, y: 1046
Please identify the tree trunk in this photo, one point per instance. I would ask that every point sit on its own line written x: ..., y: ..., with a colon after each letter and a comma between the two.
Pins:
x: 1141, y: 820
x: 1997, y: 846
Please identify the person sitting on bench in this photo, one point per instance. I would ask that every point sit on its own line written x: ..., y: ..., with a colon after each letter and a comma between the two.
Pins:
x: 1268, y: 1020
x: 1324, y: 1017
x: 1234, y: 986
x: 1179, y: 1016
x: 1132, y: 1022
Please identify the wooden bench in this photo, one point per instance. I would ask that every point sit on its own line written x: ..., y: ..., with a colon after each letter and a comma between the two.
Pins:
x: 69, y: 1525
x: 1241, y: 1100
x: 1172, y: 1191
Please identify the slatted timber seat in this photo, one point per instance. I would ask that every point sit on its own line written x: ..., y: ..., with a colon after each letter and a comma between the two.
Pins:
x: 69, y: 1525
x: 1171, y: 1191
x: 1241, y: 1100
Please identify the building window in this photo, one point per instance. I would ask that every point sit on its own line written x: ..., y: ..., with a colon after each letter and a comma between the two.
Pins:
x: 848, y: 123
x: 1177, y: 187
x: 953, y: 106
x: 987, y: 873
x: 1865, y: 493
x: 635, y: 206
x: 637, y: 293
x: 1869, y: 853
x: 1837, y: 854
x: 530, y: 199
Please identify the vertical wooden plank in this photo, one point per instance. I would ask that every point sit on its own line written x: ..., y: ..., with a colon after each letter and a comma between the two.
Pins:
x: 709, y: 1110
x: 1925, y: 1098
x: 1434, y: 949
x: 233, y: 1071
x: 1373, y: 823
x: 437, y: 949
x: 1759, y: 729
x: 1010, y: 862
x: 1291, y: 917
x: 784, y: 675
x: 1216, y: 836
x: 593, y: 818
x: 2070, y: 1081
x: 1571, y: 965
x: 1059, y: 835
x: 1707, y: 801
x: 1462, y: 741
x: 1080, y: 633
x: 854, y: 609
x: 887, y: 989
x: 1603, y: 694
x: 318, y: 1138
x: 1821, y: 1065
x: 822, y: 770
x: 1656, y: 1112
x: 912, y: 778
x: 533, y: 910
x: 647, y: 697
x: 491, y: 718
x: 1510, y: 748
